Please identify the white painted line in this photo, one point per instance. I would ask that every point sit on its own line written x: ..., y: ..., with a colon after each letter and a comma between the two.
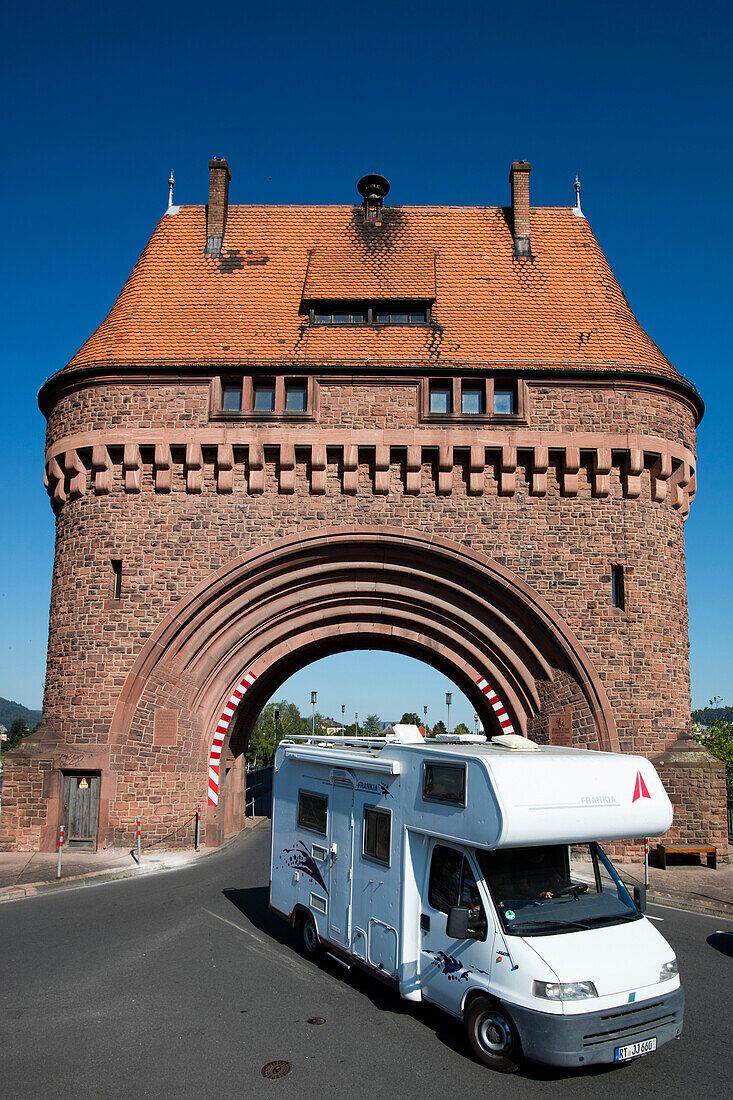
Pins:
x: 300, y: 971
x: 690, y: 912
x: 655, y: 918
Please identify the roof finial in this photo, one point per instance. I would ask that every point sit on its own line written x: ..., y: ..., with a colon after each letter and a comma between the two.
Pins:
x: 171, y: 185
x: 576, y: 209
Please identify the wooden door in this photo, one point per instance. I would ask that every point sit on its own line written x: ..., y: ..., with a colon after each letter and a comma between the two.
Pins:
x: 81, y: 809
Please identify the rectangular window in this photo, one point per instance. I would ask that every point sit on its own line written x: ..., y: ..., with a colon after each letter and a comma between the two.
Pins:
x: 452, y: 882
x: 618, y: 595
x: 440, y: 399
x: 296, y: 397
x: 264, y: 398
x: 231, y: 398
x: 445, y: 783
x: 339, y: 316
x: 377, y: 828
x: 312, y: 812
x: 472, y: 401
x: 116, y: 580
x: 505, y: 402
x: 370, y: 312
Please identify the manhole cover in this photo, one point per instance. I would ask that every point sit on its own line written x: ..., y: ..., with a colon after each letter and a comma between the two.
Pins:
x: 317, y: 1020
x: 274, y: 1070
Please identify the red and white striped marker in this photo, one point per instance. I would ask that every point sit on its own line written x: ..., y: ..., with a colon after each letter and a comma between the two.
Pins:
x: 220, y: 733
x: 497, y: 705
x: 61, y: 844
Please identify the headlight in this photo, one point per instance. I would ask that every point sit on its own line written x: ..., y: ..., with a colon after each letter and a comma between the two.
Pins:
x: 564, y: 991
x: 669, y: 970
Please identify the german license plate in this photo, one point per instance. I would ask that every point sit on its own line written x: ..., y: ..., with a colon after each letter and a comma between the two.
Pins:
x: 646, y: 1046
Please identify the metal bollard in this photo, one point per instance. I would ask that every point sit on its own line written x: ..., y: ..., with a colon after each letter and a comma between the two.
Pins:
x: 137, y: 819
x: 646, y: 862
x: 197, y: 833
x: 61, y: 844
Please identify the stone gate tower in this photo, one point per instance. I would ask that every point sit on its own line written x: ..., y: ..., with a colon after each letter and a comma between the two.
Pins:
x: 435, y: 430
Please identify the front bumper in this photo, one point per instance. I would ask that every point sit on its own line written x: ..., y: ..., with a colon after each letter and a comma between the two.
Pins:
x: 594, y: 1036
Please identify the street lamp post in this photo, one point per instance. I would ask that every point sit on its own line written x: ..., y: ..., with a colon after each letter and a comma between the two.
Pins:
x: 314, y: 696
x: 448, y: 701
x: 343, y: 718
x: 475, y: 721
x: 425, y: 712
x: 356, y: 721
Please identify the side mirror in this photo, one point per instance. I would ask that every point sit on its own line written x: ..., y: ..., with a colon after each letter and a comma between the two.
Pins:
x: 457, y: 925
x: 640, y: 898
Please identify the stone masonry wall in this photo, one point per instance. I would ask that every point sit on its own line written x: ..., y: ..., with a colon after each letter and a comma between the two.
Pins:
x: 561, y: 544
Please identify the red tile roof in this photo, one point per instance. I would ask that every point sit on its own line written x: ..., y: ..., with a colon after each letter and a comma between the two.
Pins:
x: 564, y: 307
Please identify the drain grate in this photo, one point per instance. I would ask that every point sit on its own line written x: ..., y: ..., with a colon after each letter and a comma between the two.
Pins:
x: 316, y: 1020
x: 273, y: 1071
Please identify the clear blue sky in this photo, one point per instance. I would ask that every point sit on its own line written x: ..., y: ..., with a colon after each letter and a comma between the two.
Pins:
x: 100, y: 101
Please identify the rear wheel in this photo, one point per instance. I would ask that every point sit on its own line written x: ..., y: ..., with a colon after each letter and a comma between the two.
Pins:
x: 492, y: 1036
x: 308, y: 936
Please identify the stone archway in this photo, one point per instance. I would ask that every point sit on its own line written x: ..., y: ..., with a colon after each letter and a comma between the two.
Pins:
x: 291, y: 602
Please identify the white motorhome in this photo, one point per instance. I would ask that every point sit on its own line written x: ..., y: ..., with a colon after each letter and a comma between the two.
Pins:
x: 468, y: 873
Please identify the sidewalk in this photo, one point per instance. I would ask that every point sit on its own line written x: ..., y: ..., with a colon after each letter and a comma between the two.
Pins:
x: 685, y: 886
x: 23, y: 874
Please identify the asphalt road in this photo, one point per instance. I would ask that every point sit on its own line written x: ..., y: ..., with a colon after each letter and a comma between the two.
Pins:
x: 182, y: 984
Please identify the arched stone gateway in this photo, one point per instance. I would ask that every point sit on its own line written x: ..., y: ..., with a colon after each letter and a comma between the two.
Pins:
x: 425, y: 375
x: 258, y: 620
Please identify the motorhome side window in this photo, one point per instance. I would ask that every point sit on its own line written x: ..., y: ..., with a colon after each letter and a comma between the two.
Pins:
x: 445, y: 783
x: 377, y: 828
x: 452, y: 882
x: 312, y: 812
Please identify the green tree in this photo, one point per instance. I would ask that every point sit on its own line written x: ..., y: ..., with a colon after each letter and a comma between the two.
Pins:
x: 409, y: 718
x: 372, y: 723
x: 18, y: 730
x: 717, y: 738
x: 439, y: 728
x: 461, y: 729
x: 261, y: 747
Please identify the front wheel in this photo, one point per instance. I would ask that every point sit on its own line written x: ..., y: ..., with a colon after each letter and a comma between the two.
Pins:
x: 492, y: 1036
x: 308, y: 936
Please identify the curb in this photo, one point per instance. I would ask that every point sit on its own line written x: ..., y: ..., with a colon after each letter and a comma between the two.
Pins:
x: 709, y: 909
x: 92, y: 878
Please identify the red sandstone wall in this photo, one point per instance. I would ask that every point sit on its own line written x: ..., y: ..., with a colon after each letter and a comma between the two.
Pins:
x: 556, y: 407
x: 563, y: 546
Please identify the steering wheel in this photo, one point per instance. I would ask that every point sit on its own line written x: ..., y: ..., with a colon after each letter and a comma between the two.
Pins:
x: 573, y: 891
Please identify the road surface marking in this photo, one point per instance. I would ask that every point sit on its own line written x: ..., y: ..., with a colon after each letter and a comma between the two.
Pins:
x: 306, y: 974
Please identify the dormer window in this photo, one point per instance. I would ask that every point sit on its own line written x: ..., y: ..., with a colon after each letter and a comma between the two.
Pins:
x: 338, y: 314
x: 370, y: 313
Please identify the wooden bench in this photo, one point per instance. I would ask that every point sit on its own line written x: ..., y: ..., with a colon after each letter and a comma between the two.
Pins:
x: 664, y: 850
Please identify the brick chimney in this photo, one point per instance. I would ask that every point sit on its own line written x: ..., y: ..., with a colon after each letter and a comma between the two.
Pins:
x: 216, y: 211
x: 519, y: 179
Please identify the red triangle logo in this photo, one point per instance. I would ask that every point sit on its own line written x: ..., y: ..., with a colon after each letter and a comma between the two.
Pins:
x: 640, y: 788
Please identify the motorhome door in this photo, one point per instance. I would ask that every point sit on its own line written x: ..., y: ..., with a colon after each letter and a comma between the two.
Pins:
x: 447, y: 967
x: 342, y: 838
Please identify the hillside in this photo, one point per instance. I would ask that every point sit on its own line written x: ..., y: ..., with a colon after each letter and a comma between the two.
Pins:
x: 9, y: 711
x: 707, y: 715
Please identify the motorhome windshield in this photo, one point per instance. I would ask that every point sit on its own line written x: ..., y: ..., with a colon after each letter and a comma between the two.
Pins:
x: 546, y: 890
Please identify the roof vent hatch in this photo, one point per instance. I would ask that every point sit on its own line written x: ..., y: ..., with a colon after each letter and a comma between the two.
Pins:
x: 373, y: 190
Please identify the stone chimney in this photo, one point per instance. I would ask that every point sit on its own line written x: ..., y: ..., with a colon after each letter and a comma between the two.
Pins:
x: 519, y: 179
x: 216, y: 211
